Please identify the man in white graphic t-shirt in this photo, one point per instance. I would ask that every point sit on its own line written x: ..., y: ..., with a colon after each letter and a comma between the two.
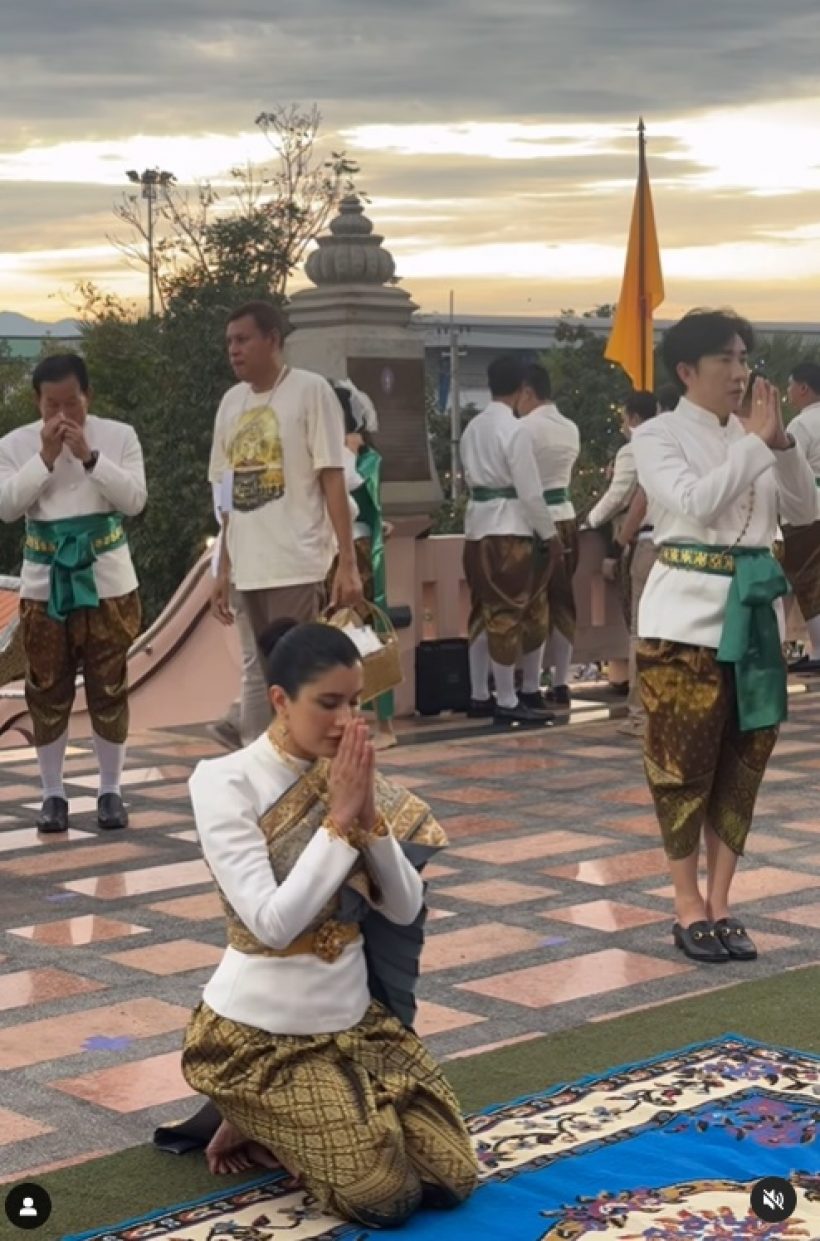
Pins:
x: 277, y: 460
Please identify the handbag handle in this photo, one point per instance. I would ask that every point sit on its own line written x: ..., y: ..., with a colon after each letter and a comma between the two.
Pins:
x: 330, y: 614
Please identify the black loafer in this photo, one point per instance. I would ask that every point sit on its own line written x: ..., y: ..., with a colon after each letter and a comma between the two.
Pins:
x: 53, y: 816
x: 111, y: 812
x: 481, y: 708
x: 521, y: 717
x: 560, y: 696
x: 734, y: 938
x: 700, y: 942
x: 536, y: 702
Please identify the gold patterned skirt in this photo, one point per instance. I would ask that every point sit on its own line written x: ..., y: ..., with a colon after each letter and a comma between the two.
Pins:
x: 801, y: 562
x: 560, y: 594
x: 364, y: 1115
x: 700, y: 767
x: 500, y: 571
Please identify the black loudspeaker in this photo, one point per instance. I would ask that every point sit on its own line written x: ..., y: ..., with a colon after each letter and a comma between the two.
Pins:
x: 442, y: 676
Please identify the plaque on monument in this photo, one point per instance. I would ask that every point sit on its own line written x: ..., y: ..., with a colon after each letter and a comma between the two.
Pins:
x: 396, y: 386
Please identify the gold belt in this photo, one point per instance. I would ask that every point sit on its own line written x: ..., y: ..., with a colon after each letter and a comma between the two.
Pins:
x: 327, y: 942
x: 692, y: 558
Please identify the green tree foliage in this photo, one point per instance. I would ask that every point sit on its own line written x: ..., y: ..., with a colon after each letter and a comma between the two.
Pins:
x: 167, y: 375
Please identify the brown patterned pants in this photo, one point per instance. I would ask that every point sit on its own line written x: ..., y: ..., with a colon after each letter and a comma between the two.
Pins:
x: 500, y: 573
x: 700, y: 767
x: 94, y: 639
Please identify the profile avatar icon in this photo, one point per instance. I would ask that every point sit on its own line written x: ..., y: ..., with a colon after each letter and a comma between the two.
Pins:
x: 27, y: 1210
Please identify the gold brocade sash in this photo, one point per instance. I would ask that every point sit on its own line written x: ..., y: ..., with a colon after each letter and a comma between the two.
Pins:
x: 289, y: 826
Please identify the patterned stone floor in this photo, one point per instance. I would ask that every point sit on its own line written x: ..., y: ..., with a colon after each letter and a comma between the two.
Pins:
x: 550, y: 909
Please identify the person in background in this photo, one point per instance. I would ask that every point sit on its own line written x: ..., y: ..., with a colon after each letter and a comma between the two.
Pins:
x: 802, y: 543
x: 711, y: 668
x: 277, y: 462
x: 370, y: 530
x: 555, y: 444
x: 506, y: 526
x: 74, y: 476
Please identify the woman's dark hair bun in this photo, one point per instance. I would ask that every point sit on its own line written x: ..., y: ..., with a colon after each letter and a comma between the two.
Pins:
x: 270, y: 637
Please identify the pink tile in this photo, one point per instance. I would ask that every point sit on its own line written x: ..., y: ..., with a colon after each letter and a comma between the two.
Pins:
x: 72, y: 932
x: 756, y: 885
x: 16, y: 1128
x: 434, y: 870
x: 504, y: 1042
x: 457, y: 826
x: 171, y: 958
x: 437, y: 1019
x: 201, y: 908
x: 16, y: 792
x: 557, y: 982
x: 632, y: 825
x: 768, y: 842
x: 471, y: 796
x: 513, y: 765
x: 621, y: 868
x: 433, y: 915
x: 166, y: 792
x: 476, y: 943
x: 497, y: 892
x: 800, y: 915
x: 776, y: 775
x: 136, y: 775
x: 601, y: 751
x: 75, y: 858
x: 637, y: 795
x: 41, y: 987
x: 525, y: 848
x: 801, y: 825
x: 157, y: 818
x: 140, y: 882
x: 130, y: 1087
x: 605, y: 915
x: 36, y: 1042
x: 30, y: 838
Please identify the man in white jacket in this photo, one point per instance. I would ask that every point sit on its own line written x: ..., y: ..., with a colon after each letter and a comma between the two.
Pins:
x: 74, y: 477
x: 712, y: 674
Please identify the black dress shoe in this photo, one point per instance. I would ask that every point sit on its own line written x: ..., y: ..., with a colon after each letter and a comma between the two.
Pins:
x: 53, y: 816
x: 111, y: 812
x: 734, y: 938
x: 559, y: 696
x: 481, y: 708
x: 805, y: 664
x: 700, y: 942
x: 521, y: 717
x: 535, y: 702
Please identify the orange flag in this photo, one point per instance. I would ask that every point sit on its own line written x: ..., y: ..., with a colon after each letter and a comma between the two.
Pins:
x: 631, y: 340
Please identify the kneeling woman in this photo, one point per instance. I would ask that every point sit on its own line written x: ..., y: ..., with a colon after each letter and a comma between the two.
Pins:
x: 297, y: 1041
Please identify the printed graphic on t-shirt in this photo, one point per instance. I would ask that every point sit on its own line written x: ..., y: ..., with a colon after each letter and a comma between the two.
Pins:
x: 256, y: 458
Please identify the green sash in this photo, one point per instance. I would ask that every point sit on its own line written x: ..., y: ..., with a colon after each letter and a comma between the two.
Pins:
x: 482, y: 494
x: 70, y: 547
x: 750, y: 638
x: 368, y: 501
x: 559, y: 495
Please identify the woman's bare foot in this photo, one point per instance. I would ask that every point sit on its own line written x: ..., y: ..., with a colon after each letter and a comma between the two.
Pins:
x: 229, y: 1151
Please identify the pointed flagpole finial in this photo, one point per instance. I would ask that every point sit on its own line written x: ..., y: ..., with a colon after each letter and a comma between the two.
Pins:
x: 641, y: 126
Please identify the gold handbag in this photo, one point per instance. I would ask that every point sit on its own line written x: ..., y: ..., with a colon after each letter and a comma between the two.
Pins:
x: 382, y: 669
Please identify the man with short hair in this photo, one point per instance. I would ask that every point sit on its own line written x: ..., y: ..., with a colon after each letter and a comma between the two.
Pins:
x: 74, y: 477
x: 712, y: 674
x: 506, y: 524
x: 277, y: 459
x: 802, y: 543
x: 555, y: 443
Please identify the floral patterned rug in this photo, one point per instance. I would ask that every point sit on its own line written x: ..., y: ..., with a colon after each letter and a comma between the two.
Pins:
x: 666, y: 1150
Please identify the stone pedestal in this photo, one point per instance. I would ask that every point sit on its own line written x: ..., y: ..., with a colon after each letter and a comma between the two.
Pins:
x: 355, y: 324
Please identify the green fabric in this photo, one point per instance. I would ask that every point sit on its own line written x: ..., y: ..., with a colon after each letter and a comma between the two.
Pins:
x: 480, y: 494
x: 368, y: 500
x: 73, y: 539
x: 559, y: 495
x: 750, y: 638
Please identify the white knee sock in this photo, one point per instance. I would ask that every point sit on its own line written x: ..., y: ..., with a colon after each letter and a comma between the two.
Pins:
x: 111, y: 759
x: 51, y: 758
x: 504, y: 676
x: 813, y: 627
x: 479, y: 652
x: 530, y: 665
x: 561, y: 652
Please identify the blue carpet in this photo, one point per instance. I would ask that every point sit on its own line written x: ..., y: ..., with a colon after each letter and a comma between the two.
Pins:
x: 665, y: 1150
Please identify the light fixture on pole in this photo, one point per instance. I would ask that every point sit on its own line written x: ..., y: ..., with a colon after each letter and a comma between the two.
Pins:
x: 152, y: 180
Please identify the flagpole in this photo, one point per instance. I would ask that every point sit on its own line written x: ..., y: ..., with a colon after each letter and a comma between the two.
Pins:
x: 641, y: 244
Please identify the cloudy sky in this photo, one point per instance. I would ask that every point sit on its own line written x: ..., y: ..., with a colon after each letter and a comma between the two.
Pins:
x: 497, y: 141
